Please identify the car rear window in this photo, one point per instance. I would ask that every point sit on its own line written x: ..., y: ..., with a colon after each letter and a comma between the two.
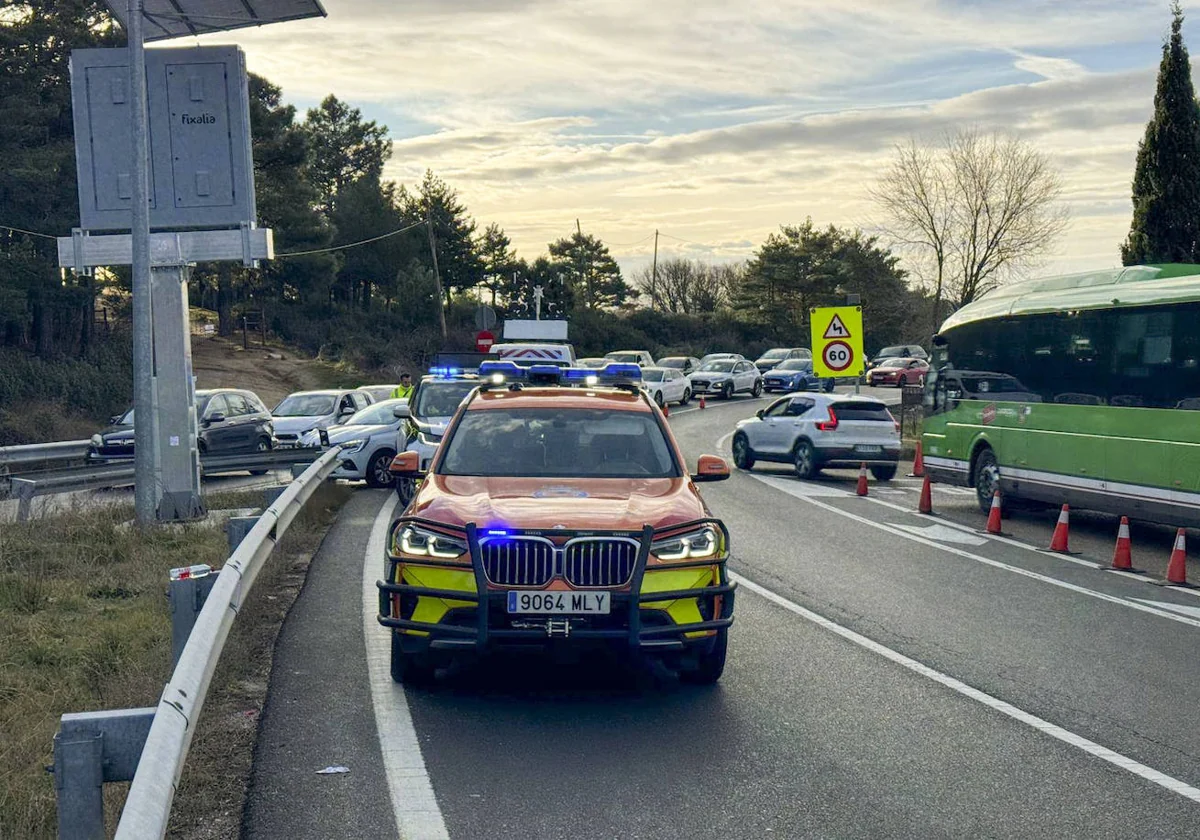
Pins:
x: 862, y: 411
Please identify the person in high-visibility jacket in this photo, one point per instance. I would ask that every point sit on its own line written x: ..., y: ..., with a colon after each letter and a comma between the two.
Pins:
x: 404, y: 390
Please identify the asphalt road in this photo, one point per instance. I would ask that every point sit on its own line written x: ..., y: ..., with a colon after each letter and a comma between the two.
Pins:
x: 890, y: 675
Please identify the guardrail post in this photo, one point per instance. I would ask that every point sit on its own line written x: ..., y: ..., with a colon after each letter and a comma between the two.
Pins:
x: 237, y: 528
x: 92, y: 748
x: 187, y: 593
x: 23, y: 489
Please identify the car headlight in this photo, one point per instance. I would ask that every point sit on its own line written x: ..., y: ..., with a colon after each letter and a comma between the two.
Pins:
x: 418, y: 542
x: 97, y: 441
x: 696, y: 545
x: 353, y: 446
x: 429, y: 438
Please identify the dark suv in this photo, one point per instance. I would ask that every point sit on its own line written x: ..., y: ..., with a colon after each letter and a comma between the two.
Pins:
x: 228, y: 421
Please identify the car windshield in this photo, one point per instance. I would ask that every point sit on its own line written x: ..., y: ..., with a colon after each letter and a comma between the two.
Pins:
x: 558, y: 442
x: 441, y: 399
x: 891, y: 352
x: 378, y: 414
x: 774, y: 354
x: 305, y: 405
x: 650, y: 375
x: 624, y: 357
x: 718, y: 367
x: 678, y: 364
x: 795, y: 364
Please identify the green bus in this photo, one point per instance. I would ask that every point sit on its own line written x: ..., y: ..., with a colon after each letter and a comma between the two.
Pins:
x: 1082, y: 389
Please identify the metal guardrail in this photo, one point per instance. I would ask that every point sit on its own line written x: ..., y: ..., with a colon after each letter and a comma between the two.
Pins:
x: 84, y: 741
x: 35, y: 453
x: 95, y: 476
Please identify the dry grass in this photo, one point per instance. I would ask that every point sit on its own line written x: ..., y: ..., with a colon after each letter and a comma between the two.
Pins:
x: 84, y: 625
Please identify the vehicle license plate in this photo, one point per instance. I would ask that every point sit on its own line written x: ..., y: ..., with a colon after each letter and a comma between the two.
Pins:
x: 553, y: 603
x: 869, y: 450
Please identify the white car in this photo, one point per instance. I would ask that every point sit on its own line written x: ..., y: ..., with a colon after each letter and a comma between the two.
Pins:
x: 718, y: 357
x: 430, y: 411
x: 725, y: 377
x: 636, y: 357
x: 369, y: 438
x: 301, y: 412
x: 666, y: 385
x: 686, y: 365
x: 813, y: 431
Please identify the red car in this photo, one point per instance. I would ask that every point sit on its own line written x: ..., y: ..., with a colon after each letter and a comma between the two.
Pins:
x: 899, y: 372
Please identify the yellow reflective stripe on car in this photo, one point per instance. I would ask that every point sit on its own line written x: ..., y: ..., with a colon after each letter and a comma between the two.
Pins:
x: 683, y: 611
x: 433, y: 610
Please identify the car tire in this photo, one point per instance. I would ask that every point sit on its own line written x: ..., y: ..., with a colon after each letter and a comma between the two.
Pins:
x: 885, y: 472
x: 710, y: 664
x: 413, y: 669
x: 658, y: 399
x: 804, y: 460
x: 406, y: 488
x: 756, y: 391
x: 727, y: 391
x: 987, y: 478
x: 687, y: 396
x: 264, y: 445
x: 378, y: 474
x: 743, y: 455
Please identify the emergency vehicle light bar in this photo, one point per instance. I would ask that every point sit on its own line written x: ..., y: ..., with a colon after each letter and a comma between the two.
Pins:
x: 617, y: 373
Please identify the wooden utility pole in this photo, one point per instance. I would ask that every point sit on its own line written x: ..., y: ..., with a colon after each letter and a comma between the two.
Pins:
x: 654, y: 273
x: 437, y: 275
x: 584, y: 273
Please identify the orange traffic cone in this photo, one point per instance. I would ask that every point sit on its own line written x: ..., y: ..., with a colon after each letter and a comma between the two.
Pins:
x: 993, y: 523
x: 926, y: 503
x: 1059, y: 541
x: 701, y: 401
x: 1123, y: 554
x: 918, y: 463
x: 1177, y: 568
x: 666, y: 409
x: 861, y: 489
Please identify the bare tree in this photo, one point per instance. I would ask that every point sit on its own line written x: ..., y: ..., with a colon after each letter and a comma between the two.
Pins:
x: 688, y: 287
x: 978, y: 206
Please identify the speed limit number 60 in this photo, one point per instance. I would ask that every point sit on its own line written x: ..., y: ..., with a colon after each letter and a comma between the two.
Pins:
x: 837, y: 355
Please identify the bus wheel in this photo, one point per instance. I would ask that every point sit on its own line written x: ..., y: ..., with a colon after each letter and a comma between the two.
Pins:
x: 987, y: 478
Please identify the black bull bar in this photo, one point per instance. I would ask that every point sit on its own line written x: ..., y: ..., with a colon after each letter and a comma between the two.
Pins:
x: 450, y: 636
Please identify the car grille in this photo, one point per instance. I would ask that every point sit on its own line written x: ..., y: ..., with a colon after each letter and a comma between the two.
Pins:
x: 286, y: 436
x: 774, y: 383
x: 518, y: 562
x: 699, y: 383
x: 600, y: 562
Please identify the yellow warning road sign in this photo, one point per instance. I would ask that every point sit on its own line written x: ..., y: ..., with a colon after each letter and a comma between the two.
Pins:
x: 837, y: 340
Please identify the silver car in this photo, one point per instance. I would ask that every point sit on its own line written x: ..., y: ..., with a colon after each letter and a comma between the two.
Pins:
x: 369, y: 441
x: 430, y: 409
x: 304, y: 411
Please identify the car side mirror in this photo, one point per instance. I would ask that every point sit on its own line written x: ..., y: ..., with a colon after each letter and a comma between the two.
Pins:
x: 402, y: 411
x: 216, y: 417
x: 711, y: 468
x: 759, y: 414
x: 407, y: 465
x: 114, y: 420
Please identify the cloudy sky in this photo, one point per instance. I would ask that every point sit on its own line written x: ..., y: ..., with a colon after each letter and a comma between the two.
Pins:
x: 715, y: 122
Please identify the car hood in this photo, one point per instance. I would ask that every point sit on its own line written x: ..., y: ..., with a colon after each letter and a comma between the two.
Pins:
x: 298, y: 425
x: 712, y: 375
x: 341, y: 434
x: 786, y: 374
x: 119, y: 432
x: 617, y: 504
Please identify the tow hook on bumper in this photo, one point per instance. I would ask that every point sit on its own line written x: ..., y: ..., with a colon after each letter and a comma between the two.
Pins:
x: 555, y: 627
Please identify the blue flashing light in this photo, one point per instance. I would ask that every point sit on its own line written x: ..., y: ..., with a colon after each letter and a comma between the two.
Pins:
x: 445, y: 372
x: 497, y: 532
x: 509, y: 370
x: 620, y: 371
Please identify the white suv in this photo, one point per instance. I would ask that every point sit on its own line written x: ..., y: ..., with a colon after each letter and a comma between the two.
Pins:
x: 813, y: 431
x: 726, y: 377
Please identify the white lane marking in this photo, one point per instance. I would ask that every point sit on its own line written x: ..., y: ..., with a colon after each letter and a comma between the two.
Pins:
x: 1067, y: 737
x: 1182, y: 609
x: 800, y: 489
x: 943, y: 534
x: 414, y: 805
x: 987, y: 561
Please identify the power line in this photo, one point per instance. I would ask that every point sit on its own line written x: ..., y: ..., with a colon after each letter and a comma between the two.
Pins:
x: 631, y: 244
x: 27, y: 232
x: 351, y: 244
x: 688, y: 241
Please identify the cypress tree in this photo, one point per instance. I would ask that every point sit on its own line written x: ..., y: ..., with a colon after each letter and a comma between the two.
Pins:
x: 1166, y: 182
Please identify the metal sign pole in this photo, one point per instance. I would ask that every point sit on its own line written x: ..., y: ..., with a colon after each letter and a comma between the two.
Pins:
x: 145, y: 437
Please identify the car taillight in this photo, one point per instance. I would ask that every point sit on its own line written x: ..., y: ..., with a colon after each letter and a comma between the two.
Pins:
x: 895, y: 422
x: 829, y: 425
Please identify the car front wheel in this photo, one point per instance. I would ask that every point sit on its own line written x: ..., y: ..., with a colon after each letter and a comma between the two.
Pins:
x: 804, y: 459
x: 687, y: 396
x: 264, y: 445
x: 410, y: 668
x: 379, y: 473
x: 757, y: 389
x: 743, y: 455
x: 710, y: 664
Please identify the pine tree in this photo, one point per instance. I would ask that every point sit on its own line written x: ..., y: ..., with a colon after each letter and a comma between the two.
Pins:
x: 1166, y: 182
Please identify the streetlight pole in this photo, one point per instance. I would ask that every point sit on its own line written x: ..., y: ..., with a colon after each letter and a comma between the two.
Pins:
x: 145, y: 432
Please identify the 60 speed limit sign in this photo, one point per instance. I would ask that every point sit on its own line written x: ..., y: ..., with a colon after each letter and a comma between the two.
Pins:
x: 837, y: 340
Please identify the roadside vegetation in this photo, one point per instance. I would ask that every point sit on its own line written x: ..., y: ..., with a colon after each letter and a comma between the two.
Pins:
x: 84, y: 625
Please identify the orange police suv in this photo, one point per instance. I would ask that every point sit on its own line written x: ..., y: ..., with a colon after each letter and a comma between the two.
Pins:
x: 558, y: 513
